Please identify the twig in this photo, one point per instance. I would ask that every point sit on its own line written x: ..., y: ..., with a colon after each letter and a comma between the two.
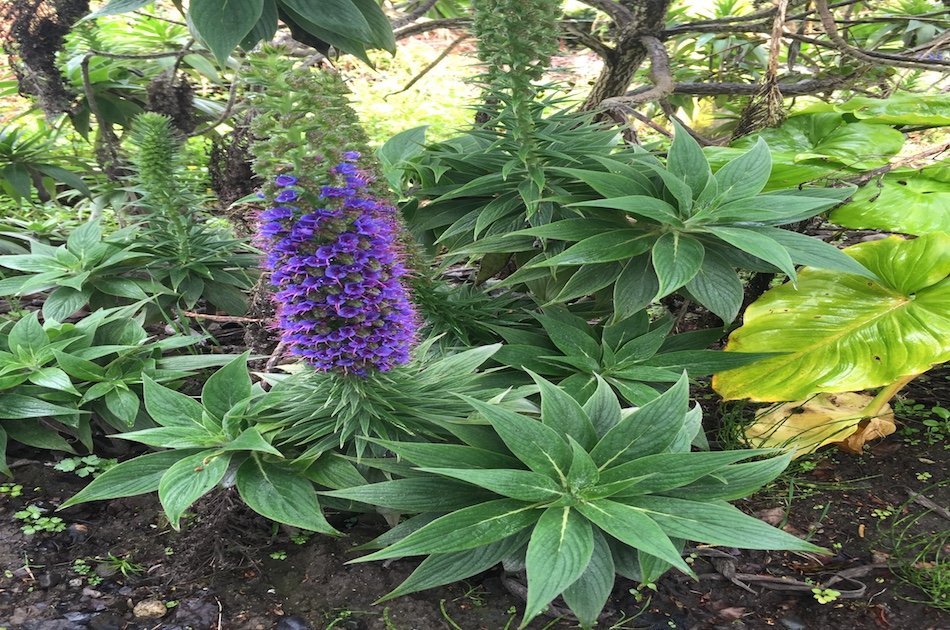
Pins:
x: 869, y: 56
x: 414, y: 15
x: 431, y: 25
x: 223, y: 318
x: 927, y: 503
x: 445, y: 53
x: 646, y: 120
x: 228, y: 108
x: 910, y: 159
x: 275, y: 357
x: 617, y: 12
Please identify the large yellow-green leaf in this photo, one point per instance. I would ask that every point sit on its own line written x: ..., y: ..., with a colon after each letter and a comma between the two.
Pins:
x: 901, y: 109
x: 826, y: 138
x: 844, y: 332
x: 900, y: 202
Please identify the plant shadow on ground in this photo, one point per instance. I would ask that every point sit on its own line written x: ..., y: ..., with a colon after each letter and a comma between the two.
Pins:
x: 881, y: 513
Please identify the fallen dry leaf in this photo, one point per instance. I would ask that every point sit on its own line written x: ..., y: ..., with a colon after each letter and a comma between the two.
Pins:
x: 733, y: 613
x: 823, y: 419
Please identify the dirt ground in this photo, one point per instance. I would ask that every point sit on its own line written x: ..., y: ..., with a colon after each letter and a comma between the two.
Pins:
x: 231, y: 569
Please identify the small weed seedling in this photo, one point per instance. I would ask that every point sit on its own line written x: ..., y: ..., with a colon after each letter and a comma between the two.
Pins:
x: 90, y: 465
x: 278, y: 555
x: 12, y: 490
x: 34, y: 521
x: 85, y: 570
x: 935, y: 421
x: 883, y: 513
x: 923, y: 476
x: 825, y: 595
x: 124, y: 566
x: 301, y: 538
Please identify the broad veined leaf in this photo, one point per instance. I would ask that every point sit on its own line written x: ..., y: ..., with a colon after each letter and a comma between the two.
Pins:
x: 135, y: 476
x: 18, y: 406
x: 717, y: 287
x: 463, y: 529
x: 227, y: 387
x: 170, y: 408
x: 844, y: 332
x: 827, y: 137
x: 746, y: 175
x: 605, y: 247
x: 648, y: 430
x: 558, y: 554
x: 651, y: 208
x: 281, y: 495
x: 687, y: 161
x: 415, y: 494
x: 900, y: 109
x: 899, y: 202
x: 222, y: 24
x: 560, y: 411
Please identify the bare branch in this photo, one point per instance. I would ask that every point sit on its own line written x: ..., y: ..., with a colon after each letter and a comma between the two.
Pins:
x: 431, y: 25
x: 798, y: 88
x: 445, y: 53
x: 868, y: 56
x: 937, y: 149
x: 617, y: 12
x: 228, y: 108
x: 659, y: 74
x: 414, y: 15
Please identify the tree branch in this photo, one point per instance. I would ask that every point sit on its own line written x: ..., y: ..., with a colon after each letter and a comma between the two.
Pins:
x: 868, y: 56
x: 414, y: 15
x: 431, y: 25
x: 620, y: 14
x: 937, y: 149
x: 659, y: 73
x: 798, y: 88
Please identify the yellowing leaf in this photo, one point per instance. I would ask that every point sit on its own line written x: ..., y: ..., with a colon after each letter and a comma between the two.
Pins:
x: 846, y: 333
x: 824, y: 419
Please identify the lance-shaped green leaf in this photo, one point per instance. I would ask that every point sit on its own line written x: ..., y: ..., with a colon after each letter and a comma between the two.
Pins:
x: 135, y: 476
x: 188, y: 479
x: 588, y: 594
x: 281, y: 495
x: 845, y: 332
x: 439, y: 569
x: 463, y: 529
x: 715, y: 523
x: 677, y: 258
x: 558, y: 554
x: 634, y: 527
x: 903, y: 202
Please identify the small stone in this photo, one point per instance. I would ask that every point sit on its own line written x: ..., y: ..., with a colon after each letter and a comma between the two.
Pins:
x: 77, y: 617
x: 47, y: 580
x: 75, y: 582
x: 793, y: 623
x: 150, y: 609
x: 106, y: 621
x: 293, y: 623
x: 91, y: 592
x: 197, y: 613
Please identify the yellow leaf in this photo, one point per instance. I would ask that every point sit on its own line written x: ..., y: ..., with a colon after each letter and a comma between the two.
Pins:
x: 823, y: 419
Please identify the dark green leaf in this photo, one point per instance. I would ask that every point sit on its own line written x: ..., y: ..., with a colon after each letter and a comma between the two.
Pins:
x: 281, y: 495
x: 135, y: 476
x: 558, y: 553
x: 188, y: 479
x: 222, y: 24
x: 676, y: 259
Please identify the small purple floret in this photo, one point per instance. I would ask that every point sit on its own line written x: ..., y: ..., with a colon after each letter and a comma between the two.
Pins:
x: 337, y: 270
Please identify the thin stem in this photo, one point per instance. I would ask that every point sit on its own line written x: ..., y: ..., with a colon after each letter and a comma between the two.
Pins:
x: 884, y: 396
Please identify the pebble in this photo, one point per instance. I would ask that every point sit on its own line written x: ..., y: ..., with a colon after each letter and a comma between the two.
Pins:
x: 47, y: 580
x: 793, y: 623
x: 293, y: 623
x: 75, y: 582
x: 197, y: 613
x: 150, y: 609
x: 106, y: 621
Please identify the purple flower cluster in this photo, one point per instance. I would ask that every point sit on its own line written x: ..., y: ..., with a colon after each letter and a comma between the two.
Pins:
x: 334, y: 261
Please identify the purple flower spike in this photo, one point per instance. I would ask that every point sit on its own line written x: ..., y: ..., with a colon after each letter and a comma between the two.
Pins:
x: 337, y: 270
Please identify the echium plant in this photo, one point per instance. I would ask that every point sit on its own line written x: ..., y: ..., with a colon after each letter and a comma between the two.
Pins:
x: 516, y: 39
x: 331, y: 237
x: 581, y: 494
x: 334, y: 261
